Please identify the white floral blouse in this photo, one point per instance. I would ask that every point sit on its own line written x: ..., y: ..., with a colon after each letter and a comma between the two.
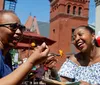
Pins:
x: 89, y: 74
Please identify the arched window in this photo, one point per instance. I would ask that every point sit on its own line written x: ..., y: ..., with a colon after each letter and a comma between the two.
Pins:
x: 79, y: 11
x: 73, y: 29
x: 74, y: 10
x: 68, y: 9
x: 54, y: 30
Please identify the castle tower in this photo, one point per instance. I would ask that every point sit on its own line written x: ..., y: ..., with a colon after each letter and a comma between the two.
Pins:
x: 65, y: 16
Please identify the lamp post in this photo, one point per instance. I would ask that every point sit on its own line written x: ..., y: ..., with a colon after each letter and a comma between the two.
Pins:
x: 97, y: 2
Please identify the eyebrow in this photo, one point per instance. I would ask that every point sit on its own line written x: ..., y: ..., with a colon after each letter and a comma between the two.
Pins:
x: 8, y: 24
x: 17, y: 24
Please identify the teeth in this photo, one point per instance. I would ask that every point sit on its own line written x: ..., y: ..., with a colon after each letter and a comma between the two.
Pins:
x: 79, y: 44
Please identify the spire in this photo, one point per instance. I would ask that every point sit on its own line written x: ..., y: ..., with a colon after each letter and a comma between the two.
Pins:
x: 36, y: 25
x: 50, y: 0
x: 29, y: 22
x: 30, y: 14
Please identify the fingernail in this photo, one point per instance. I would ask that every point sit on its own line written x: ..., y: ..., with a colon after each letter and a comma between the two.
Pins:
x: 43, y: 43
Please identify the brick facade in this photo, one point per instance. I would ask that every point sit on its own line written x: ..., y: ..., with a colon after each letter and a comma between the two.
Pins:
x: 66, y: 15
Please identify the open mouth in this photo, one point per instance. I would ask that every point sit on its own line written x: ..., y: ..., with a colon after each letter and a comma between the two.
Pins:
x: 80, y: 45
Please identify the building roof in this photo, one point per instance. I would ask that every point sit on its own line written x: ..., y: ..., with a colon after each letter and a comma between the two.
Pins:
x: 29, y: 37
x: 37, y: 26
x: 44, y: 28
x: 31, y: 25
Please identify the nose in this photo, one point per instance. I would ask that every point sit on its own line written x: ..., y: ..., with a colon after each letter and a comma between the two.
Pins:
x: 77, y: 38
x: 17, y: 31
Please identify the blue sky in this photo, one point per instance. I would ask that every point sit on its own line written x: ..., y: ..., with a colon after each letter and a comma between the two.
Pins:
x: 92, y: 12
x: 40, y: 9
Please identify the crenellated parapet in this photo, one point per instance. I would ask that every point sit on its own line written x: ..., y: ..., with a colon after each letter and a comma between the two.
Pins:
x: 81, y: 1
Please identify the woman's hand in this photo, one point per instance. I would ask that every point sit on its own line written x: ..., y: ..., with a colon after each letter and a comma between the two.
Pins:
x: 50, y: 61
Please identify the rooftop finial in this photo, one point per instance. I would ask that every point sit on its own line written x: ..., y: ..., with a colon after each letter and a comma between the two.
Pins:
x: 30, y: 13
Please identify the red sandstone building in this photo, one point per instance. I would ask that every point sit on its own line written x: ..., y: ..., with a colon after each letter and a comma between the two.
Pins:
x: 65, y: 16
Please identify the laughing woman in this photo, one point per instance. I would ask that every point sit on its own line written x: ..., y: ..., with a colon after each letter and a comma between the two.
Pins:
x: 85, y: 65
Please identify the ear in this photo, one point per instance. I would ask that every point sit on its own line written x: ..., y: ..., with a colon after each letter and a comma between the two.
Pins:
x: 93, y: 36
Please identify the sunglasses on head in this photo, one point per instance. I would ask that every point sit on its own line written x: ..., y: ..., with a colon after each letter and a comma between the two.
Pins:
x: 14, y: 26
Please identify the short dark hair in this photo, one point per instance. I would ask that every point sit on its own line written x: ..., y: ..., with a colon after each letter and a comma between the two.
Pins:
x: 90, y: 29
x: 2, y: 12
x: 6, y: 11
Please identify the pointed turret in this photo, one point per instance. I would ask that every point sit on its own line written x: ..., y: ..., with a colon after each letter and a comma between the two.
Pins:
x: 36, y: 25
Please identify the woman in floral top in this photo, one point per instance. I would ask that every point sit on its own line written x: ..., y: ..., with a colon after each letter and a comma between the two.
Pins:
x: 85, y: 65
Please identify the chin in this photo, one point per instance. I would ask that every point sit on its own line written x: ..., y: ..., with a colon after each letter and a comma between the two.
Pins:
x: 83, y: 50
x: 1, y: 47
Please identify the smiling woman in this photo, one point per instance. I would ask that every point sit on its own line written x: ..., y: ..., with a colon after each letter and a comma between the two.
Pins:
x: 80, y: 35
x: 79, y: 67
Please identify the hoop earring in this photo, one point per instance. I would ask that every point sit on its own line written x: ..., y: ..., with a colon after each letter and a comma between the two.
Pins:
x: 93, y: 42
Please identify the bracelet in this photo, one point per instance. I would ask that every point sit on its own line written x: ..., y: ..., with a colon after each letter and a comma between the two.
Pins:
x: 24, y: 60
